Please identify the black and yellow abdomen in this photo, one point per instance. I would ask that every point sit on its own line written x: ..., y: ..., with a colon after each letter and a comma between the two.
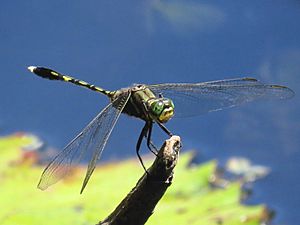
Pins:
x: 53, y: 75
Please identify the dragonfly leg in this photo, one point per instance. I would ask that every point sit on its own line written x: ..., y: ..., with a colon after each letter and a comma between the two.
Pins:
x: 150, y: 144
x: 163, y: 127
x: 138, y: 144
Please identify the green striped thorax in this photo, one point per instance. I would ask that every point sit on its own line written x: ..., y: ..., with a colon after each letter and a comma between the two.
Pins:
x: 144, y: 104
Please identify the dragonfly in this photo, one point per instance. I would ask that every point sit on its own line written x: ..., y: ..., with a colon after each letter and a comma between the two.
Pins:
x: 154, y: 104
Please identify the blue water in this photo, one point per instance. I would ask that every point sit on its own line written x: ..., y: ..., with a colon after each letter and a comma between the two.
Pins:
x: 114, y: 44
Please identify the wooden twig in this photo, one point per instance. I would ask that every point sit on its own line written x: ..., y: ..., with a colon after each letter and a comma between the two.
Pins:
x: 138, y: 205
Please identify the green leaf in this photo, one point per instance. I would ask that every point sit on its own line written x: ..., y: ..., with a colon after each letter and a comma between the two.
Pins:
x: 189, y: 200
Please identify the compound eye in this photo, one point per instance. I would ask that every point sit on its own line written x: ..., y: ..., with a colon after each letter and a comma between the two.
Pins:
x: 157, y: 107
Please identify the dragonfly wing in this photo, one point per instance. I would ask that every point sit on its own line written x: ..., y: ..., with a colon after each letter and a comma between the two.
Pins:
x: 91, y: 140
x: 199, y: 98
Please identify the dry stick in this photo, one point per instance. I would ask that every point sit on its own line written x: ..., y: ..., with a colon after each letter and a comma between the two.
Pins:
x: 138, y: 205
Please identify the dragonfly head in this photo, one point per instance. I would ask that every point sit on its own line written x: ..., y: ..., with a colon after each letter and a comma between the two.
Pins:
x: 161, y: 109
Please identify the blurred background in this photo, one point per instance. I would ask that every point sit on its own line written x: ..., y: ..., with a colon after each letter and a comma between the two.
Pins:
x: 114, y: 44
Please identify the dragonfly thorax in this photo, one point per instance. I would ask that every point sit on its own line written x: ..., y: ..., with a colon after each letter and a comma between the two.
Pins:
x: 160, y: 109
x: 145, y: 104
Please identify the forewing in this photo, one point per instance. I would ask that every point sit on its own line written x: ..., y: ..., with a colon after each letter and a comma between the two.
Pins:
x: 91, y: 139
x: 200, y: 98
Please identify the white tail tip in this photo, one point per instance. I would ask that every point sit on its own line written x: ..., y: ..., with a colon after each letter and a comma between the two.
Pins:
x: 31, y: 68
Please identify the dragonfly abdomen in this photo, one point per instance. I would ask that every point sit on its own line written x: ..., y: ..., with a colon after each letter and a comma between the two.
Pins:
x: 53, y: 75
